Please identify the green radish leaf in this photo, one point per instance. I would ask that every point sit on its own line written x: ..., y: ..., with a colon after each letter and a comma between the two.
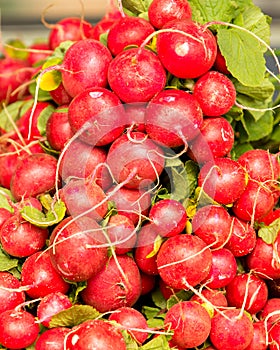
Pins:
x: 50, y: 80
x: 152, y: 312
x: 42, y: 95
x: 239, y: 149
x: 103, y: 38
x: 269, y: 233
x: 136, y: 6
x: 38, y: 218
x: 159, y: 299
x: 75, y: 289
x: 74, y: 316
x: 5, y: 199
x: 43, y: 119
x: 182, y: 295
x: 13, y: 112
x: 60, y: 51
x: 6, y: 262
x: 12, y: 52
x: 256, y: 131
x: 158, y: 343
x: 157, y: 244
x: 130, y: 343
x: 243, y: 54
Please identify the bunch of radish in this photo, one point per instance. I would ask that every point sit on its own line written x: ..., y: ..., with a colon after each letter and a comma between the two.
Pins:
x: 139, y: 181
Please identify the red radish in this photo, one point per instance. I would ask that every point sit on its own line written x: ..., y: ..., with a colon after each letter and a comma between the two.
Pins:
x: 224, y: 180
x: 165, y: 290
x: 274, y: 337
x: 269, y: 313
x: 52, y: 339
x: 85, y: 65
x: 98, y: 335
x: 162, y: 11
x: 255, y: 202
x: 34, y: 174
x: 20, y: 238
x: 259, y: 338
x: 173, y: 118
x: 105, y: 23
x: 231, y: 330
x: 260, y: 165
x: 136, y: 75
x: 121, y: 233
x: 215, y: 297
x: 58, y: 129
x: 130, y: 202
x: 117, y: 284
x: 18, y: 329
x: 135, y: 160
x: 41, y: 278
x: 215, y: 93
x: 135, y: 116
x: 148, y: 283
x: 223, y: 269
x: 51, y: 305
x: 84, y: 196
x: 10, y: 293
x: 39, y: 52
x: 69, y: 28
x: 130, y: 318
x: 127, y: 31
x: 5, y: 214
x: 183, y: 259
x: 60, y: 96
x: 190, y: 323
x: 99, y: 114
x: 216, y: 139
x: 248, y: 289
x: 213, y: 224
x: 243, y: 238
x: 186, y: 55
x: 169, y: 217
x: 74, y: 242
x: 271, y: 217
x: 145, y: 254
x: 220, y: 63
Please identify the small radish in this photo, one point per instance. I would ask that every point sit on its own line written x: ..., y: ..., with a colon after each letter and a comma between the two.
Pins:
x: 60, y: 96
x: 183, y: 259
x: 215, y: 93
x: 215, y: 297
x: 148, y: 283
x: 269, y: 312
x: 5, y: 214
x: 10, y: 293
x: 259, y: 339
x: 136, y: 75
x: 173, y: 117
x: 162, y: 11
x: 105, y: 23
x: 39, y: 52
x: 274, y: 337
x: 165, y: 290
x: 127, y: 31
x: 52, y: 339
x: 190, y: 323
x: 189, y: 54
x: 220, y: 63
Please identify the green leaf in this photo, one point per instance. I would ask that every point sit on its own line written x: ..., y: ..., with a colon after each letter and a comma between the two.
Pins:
x: 6, y: 262
x: 152, y: 312
x: 259, y: 130
x: 103, y: 38
x: 43, y: 118
x: 157, y: 343
x: 243, y: 54
x: 159, y: 299
x: 13, y: 111
x: 270, y: 233
x: 51, y: 217
x: 74, y: 316
x: 182, y: 295
x: 75, y: 289
x: 136, y: 6
x: 157, y: 244
x: 239, y: 149
x: 42, y: 95
x: 5, y: 199
x: 60, y: 51
x: 13, y: 52
x: 130, y: 343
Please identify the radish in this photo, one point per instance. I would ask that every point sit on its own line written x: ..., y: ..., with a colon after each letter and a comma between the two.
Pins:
x: 85, y: 65
x: 231, y: 330
x: 270, y: 312
x: 39, y: 52
x: 215, y: 297
x: 74, y: 242
x: 189, y: 54
x: 117, y: 284
x: 136, y: 75
x: 97, y: 115
x: 169, y: 217
x: 165, y: 290
x: 128, y: 31
x: 259, y: 338
x: 131, y: 319
x: 248, y: 290
x: 215, y: 93
x: 183, y: 259
x: 10, y: 292
x: 52, y: 339
x: 190, y: 323
x: 274, y: 337
x: 60, y: 96
x: 40, y: 277
x: 173, y: 117
x: 162, y: 11
x: 105, y: 23
x: 136, y: 160
x: 5, y: 214
x: 18, y: 329
x: 224, y: 180
x: 51, y: 305
x: 148, y: 283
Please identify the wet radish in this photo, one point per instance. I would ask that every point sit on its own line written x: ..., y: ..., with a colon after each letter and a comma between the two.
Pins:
x: 52, y: 339
x: 10, y: 294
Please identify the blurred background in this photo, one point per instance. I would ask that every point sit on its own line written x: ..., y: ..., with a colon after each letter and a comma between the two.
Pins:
x: 22, y: 18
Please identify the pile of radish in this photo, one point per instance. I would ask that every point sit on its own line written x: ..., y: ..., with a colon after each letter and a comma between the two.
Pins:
x: 139, y: 181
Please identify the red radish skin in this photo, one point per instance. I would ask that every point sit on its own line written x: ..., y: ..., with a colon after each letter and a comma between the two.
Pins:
x: 5, y: 214
x: 35, y: 174
x: 173, y: 118
x: 162, y: 11
x: 51, y: 305
x: 128, y: 318
x: 52, y: 339
x: 127, y: 31
x: 231, y: 330
x: 190, y: 323
x: 269, y: 313
x: 40, y: 51
x: 215, y: 93
x: 74, y: 242
x: 85, y: 65
x: 274, y: 337
x: 186, y: 56
x: 169, y: 217
x: 10, y: 294
x: 183, y: 259
x: 136, y: 75
x: 215, y: 297
x: 100, y: 112
x: 135, y: 116
x: 259, y: 338
x: 112, y: 288
x: 247, y: 287
x: 165, y: 290
x: 60, y: 96
x: 40, y: 277
x: 148, y: 283
x: 18, y: 329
